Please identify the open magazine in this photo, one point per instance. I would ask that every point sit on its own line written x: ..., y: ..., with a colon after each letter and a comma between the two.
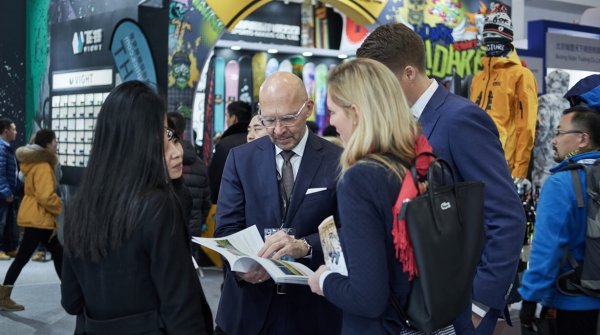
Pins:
x: 241, y: 249
x: 332, y: 249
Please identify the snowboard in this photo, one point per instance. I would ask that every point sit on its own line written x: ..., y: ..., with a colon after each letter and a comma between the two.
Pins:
x: 272, y: 67
x: 307, y: 36
x: 321, y: 72
x: 259, y: 65
x: 285, y: 66
x: 308, y: 77
x: 232, y: 79
x: 209, y: 100
x: 219, y: 116
x: 245, y: 79
x: 297, y: 65
x: 353, y: 34
x: 321, y: 30
x: 198, y: 113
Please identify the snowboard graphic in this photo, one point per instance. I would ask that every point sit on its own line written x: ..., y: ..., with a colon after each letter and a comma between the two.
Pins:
x: 259, y: 65
x: 321, y: 72
x: 272, y: 67
x: 245, y: 80
x: 219, y: 116
x: 285, y: 66
x: 307, y: 36
x: 232, y: 79
x: 353, y: 34
x: 198, y: 113
x: 209, y: 92
x: 321, y: 30
x: 297, y: 65
x: 308, y: 76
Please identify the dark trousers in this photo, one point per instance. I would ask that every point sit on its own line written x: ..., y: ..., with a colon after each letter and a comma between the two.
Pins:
x: 577, y: 322
x: 9, y: 233
x: 31, y: 238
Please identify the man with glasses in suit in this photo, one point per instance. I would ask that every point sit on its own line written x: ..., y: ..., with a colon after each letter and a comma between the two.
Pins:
x: 284, y: 180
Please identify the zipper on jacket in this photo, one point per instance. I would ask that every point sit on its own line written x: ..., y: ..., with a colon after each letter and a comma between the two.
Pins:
x: 482, y: 106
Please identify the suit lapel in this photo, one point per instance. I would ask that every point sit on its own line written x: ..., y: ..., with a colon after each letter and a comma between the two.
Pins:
x: 311, y: 160
x: 267, y: 177
x: 432, y: 111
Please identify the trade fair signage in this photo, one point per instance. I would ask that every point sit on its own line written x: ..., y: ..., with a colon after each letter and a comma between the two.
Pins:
x: 571, y: 52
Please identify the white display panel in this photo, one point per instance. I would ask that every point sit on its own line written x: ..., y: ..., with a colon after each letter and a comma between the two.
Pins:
x: 74, y: 120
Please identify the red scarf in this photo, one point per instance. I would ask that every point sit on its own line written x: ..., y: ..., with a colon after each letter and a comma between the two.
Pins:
x: 408, y: 191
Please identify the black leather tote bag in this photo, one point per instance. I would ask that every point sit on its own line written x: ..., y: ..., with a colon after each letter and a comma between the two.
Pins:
x: 446, y: 229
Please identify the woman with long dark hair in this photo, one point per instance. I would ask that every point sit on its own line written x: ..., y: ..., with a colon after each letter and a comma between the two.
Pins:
x: 127, y: 266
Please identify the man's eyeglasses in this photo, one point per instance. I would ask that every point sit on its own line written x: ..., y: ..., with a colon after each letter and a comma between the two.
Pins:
x: 284, y: 121
x: 563, y: 132
x: 171, y: 136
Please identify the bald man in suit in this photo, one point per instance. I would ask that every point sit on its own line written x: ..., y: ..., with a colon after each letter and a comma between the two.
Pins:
x: 258, y: 189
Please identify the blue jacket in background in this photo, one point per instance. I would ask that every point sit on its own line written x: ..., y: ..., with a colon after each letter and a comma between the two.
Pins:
x: 559, y: 222
x: 8, y: 170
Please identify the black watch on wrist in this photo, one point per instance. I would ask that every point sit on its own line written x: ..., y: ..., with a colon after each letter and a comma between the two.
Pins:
x: 308, y: 247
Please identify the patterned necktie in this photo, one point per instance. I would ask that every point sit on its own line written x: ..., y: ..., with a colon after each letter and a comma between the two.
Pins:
x: 287, y: 173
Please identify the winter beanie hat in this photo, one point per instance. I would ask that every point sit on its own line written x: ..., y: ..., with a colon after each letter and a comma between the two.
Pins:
x: 498, y: 33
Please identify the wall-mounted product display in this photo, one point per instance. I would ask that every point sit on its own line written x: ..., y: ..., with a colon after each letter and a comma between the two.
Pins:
x: 82, y: 75
x: 73, y: 119
x: 238, y: 74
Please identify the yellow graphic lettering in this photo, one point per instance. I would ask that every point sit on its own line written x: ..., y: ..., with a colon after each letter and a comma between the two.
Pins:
x: 429, y: 57
x: 454, y: 62
x: 440, y: 59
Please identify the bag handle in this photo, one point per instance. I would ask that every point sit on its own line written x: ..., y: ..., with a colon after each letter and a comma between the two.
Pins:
x: 445, y: 168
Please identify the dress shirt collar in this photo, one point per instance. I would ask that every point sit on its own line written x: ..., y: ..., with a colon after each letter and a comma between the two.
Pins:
x: 298, y: 149
x: 419, y: 106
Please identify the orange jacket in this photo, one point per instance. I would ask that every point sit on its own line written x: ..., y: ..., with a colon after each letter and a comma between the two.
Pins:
x: 507, y: 91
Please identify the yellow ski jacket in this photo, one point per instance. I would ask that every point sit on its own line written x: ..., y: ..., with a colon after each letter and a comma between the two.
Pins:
x: 40, y: 205
x: 507, y: 91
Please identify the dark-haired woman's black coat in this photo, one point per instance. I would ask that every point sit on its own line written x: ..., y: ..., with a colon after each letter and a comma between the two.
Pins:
x: 147, y: 286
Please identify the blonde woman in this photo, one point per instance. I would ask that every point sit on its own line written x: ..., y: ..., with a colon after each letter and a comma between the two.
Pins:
x: 373, y: 119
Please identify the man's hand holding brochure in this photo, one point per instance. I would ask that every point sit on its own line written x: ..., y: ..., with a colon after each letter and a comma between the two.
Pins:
x: 241, y: 252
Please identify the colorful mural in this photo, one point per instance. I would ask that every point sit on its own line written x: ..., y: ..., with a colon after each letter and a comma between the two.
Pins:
x: 450, y: 29
x: 193, y: 31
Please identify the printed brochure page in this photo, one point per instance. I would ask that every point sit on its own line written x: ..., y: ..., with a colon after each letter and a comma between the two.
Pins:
x: 241, y: 249
x: 332, y: 249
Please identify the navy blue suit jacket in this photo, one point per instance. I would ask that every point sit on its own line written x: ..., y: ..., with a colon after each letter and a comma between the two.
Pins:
x: 366, y: 194
x: 250, y: 196
x: 466, y: 137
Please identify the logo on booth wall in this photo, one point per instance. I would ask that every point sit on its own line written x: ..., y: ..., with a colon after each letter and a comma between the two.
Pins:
x: 87, y: 41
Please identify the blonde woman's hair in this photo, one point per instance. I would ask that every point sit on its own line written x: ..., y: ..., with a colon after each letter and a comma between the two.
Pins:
x: 386, y: 129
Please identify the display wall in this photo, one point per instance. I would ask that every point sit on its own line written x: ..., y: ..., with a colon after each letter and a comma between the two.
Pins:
x: 193, y: 28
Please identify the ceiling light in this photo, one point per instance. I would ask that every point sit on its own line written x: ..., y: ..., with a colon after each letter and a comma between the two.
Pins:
x: 272, y: 51
x: 236, y: 47
x: 342, y: 56
x: 307, y: 54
